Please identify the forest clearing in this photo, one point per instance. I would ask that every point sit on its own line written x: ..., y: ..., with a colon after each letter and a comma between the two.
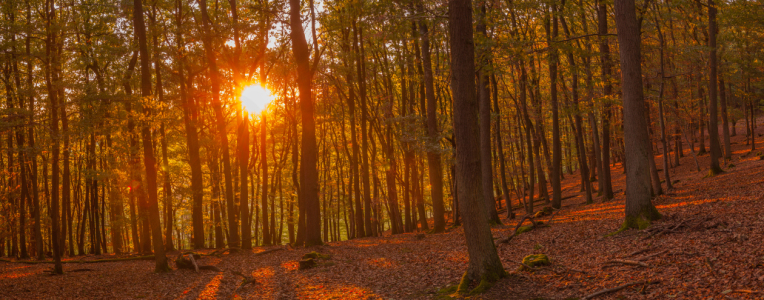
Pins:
x: 381, y: 149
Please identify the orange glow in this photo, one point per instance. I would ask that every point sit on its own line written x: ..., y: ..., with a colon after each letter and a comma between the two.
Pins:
x: 256, y: 98
x: 211, y: 289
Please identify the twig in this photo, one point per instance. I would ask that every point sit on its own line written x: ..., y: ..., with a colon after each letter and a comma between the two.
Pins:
x: 651, y: 255
x: 627, y: 262
x: 615, y: 289
x: 745, y: 291
x: 509, y: 238
x: 638, y: 252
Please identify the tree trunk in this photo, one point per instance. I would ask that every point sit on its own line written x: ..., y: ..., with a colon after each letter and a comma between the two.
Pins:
x: 606, y: 186
x: 713, y: 82
x: 556, y: 139
x: 220, y: 125
x: 639, y: 208
x: 51, y: 64
x: 484, y: 103
x: 484, y: 263
x: 308, y: 160
x: 433, y: 148
x: 148, y: 145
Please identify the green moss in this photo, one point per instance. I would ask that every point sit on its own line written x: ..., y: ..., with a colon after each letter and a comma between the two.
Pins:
x: 524, y: 229
x: 642, y: 220
x: 731, y: 165
x: 483, y: 286
x: 486, y: 281
x: 315, y: 255
x: 446, y: 292
x: 534, y: 260
x: 464, y: 284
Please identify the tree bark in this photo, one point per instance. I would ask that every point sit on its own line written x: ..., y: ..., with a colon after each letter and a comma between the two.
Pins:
x: 149, y: 160
x: 606, y: 186
x: 713, y: 82
x: 484, y: 263
x: 220, y: 125
x: 308, y: 161
x: 639, y: 208
x: 484, y: 107
x: 433, y: 148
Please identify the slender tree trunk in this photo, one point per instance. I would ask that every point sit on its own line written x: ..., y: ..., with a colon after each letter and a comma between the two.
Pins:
x: 606, y: 187
x: 51, y: 65
x: 556, y: 139
x: 308, y: 160
x: 713, y: 82
x: 484, y: 101
x: 433, y: 149
x: 725, y: 123
x: 148, y: 145
x: 220, y: 125
x: 500, y: 149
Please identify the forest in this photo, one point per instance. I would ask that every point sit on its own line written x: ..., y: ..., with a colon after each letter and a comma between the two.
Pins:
x: 381, y: 149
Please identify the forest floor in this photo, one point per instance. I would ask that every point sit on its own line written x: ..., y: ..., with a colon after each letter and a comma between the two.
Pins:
x: 708, y: 245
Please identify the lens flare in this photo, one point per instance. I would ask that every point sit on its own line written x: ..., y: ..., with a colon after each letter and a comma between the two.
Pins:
x: 256, y: 98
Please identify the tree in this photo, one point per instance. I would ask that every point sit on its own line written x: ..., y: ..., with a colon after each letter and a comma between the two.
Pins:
x: 308, y: 160
x: 433, y: 143
x: 713, y: 82
x: 149, y: 159
x: 639, y: 208
x: 484, y: 263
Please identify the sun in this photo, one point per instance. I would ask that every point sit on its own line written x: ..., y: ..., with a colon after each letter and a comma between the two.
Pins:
x: 255, y: 98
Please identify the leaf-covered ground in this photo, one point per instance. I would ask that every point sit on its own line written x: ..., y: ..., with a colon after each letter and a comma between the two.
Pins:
x: 708, y: 245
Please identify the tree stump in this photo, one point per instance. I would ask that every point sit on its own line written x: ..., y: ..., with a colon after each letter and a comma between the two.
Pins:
x: 307, y: 264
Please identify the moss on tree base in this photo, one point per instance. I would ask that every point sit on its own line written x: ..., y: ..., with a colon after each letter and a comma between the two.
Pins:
x: 641, y: 221
x: 486, y: 281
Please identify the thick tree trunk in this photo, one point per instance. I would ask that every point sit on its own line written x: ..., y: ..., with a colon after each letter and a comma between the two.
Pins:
x: 484, y: 263
x: 639, y: 208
